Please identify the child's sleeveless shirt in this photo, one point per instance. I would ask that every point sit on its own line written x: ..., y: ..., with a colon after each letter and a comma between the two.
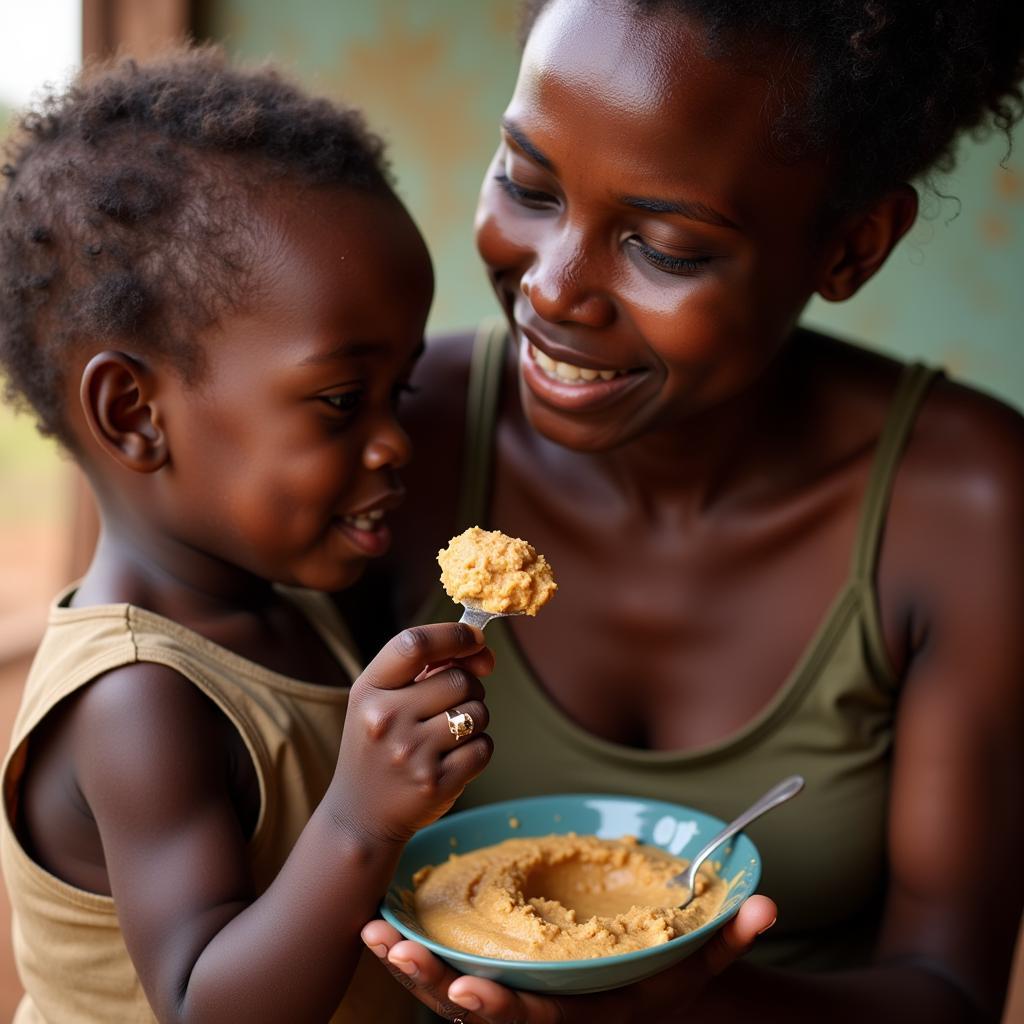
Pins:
x: 68, y: 946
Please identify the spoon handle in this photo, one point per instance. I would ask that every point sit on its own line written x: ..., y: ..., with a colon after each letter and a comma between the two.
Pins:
x: 477, y: 616
x: 776, y: 795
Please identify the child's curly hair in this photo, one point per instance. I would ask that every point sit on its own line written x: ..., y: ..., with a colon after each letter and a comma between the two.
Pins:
x: 125, y: 213
x: 888, y: 85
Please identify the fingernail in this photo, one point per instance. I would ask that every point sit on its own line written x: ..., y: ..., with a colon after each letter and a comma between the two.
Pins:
x: 378, y: 950
x: 406, y: 967
x: 767, y: 926
x: 467, y: 1002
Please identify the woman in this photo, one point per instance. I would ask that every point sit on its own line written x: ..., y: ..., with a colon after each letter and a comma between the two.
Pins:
x: 776, y: 552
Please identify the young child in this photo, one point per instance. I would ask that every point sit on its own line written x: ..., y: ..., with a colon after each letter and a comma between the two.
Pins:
x: 211, y: 297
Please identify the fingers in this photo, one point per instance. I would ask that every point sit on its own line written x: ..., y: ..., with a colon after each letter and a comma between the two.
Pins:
x: 480, y: 664
x: 416, y: 969
x: 380, y: 936
x: 448, y: 689
x: 736, y: 937
x: 495, y: 1004
x: 451, y: 996
x: 403, y: 656
x: 466, y: 761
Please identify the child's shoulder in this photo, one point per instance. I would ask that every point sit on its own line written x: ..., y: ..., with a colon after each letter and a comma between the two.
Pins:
x: 131, y: 746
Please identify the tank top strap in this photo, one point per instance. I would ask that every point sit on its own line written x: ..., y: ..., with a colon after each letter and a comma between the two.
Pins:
x: 906, y: 402
x: 485, y: 374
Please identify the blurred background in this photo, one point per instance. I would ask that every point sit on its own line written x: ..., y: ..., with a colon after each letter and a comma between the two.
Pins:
x: 433, y: 78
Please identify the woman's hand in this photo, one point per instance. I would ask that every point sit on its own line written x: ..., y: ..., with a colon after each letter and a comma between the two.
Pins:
x: 479, y: 1001
x: 400, y: 767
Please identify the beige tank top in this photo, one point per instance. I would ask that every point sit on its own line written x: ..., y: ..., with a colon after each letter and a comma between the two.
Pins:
x: 68, y: 947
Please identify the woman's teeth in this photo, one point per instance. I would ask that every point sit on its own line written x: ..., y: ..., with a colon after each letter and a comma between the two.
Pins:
x: 568, y: 372
x: 365, y: 520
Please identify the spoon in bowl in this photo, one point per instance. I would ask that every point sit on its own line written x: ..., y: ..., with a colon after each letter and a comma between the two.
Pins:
x: 779, y: 794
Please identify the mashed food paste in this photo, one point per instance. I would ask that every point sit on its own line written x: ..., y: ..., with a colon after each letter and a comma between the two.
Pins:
x: 489, y: 570
x: 560, y: 897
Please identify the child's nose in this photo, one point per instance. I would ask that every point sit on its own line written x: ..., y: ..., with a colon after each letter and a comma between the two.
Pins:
x: 388, y: 447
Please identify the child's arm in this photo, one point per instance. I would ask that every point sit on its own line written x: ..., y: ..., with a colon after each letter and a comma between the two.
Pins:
x: 148, y: 757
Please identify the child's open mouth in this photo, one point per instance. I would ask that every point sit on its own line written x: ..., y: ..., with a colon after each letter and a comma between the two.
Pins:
x: 365, y: 520
x: 366, y: 531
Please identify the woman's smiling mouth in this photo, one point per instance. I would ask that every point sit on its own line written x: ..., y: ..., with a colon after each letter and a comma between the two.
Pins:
x: 568, y: 371
x: 571, y: 387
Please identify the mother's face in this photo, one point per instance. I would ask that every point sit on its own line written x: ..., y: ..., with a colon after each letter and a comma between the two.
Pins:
x: 651, y: 252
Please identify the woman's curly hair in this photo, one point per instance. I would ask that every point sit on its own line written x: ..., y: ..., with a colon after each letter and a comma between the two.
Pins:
x: 126, y: 212
x: 890, y: 84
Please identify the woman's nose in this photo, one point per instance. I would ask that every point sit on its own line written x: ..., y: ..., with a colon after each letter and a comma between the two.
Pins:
x: 565, y: 284
x: 388, y: 447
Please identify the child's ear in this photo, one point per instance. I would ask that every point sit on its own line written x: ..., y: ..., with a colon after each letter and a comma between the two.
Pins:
x: 117, y: 395
x: 861, y: 243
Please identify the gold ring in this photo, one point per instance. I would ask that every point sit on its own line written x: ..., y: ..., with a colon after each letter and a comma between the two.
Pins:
x: 460, y: 725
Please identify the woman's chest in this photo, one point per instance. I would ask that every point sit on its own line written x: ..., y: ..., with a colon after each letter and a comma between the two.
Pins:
x: 673, y: 636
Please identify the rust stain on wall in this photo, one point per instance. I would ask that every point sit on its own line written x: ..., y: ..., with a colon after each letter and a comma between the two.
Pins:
x: 506, y: 18
x: 995, y: 230
x: 405, y: 77
x: 1008, y: 185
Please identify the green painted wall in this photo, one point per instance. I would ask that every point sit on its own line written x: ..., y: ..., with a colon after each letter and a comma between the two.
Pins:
x: 434, y: 76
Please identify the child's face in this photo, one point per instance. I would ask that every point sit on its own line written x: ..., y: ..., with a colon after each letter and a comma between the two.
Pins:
x: 283, y: 457
x: 633, y: 220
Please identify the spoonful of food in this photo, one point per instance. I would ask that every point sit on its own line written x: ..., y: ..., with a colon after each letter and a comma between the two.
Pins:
x: 493, y: 575
x: 779, y: 794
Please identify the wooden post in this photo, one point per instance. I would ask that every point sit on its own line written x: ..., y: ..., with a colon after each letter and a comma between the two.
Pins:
x: 138, y: 28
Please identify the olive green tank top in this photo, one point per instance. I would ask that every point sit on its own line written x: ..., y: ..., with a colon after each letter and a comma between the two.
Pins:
x: 68, y: 946
x: 824, y: 854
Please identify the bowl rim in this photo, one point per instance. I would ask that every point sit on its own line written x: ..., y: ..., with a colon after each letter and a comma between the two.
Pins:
x: 590, y: 963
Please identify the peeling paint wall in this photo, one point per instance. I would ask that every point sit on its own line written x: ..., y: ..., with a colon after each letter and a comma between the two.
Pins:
x: 952, y: 292
x: 433, y: 77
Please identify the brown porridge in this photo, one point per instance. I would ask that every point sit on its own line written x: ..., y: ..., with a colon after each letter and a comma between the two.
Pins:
x: 488, y: 569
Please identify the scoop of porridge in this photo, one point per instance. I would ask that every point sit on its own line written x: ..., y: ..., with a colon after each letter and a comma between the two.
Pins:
x: 488, y: 569
x: 560, y: 897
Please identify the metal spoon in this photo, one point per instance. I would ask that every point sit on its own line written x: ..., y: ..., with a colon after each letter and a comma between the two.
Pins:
x: 776, y: 795
x: 479, y: 617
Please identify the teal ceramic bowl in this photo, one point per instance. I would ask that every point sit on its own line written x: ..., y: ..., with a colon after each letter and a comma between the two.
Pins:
x: 680, y: 830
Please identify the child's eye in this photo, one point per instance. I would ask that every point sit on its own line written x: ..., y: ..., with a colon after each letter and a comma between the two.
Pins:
x: 670, y: 264
x: 344, y: 402
x: 524, y: 196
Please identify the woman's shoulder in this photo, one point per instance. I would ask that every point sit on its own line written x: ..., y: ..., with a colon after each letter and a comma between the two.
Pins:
x: 958, y: 428
x: 958, y: 488
x: 967, y: 447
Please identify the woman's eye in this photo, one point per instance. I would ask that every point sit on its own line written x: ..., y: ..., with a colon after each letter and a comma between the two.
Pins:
x: 345, y: 402
x: 670, y: 264
x: 524, y: 196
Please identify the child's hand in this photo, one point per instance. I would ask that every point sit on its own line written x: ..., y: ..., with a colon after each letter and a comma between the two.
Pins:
x: 400, y: 766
